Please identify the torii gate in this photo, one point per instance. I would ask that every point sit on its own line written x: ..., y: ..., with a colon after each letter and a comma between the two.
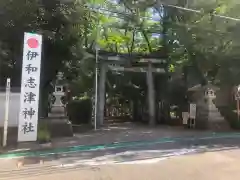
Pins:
x: 148, y: 64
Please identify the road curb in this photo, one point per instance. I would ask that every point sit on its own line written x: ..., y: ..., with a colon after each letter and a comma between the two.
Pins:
x: 84, y: 148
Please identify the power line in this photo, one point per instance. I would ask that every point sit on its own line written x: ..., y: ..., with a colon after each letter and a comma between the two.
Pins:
x: 200, y: 12
x: 160, y: 4
x: 149, y: 18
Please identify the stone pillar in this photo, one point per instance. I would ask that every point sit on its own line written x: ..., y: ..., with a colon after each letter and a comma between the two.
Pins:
x: 151, y: 96
x: 101, y: 94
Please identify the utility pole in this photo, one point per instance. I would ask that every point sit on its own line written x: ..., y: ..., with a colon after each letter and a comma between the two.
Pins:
x: 96, y: 90
x: 96, y: 110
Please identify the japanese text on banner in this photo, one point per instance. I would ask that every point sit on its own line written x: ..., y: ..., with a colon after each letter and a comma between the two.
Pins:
x: 28, y: 117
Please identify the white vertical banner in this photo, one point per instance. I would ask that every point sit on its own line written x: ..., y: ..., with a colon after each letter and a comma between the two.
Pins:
x: 193, y: 110
x: 29, y: 101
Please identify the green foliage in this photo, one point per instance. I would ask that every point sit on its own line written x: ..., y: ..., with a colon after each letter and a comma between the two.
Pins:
x: 208, y: 43
x: 171, y: 68
x: 51, y: 19
x: 205, y: 40
x: 130, y: 31
x: 80, y: 110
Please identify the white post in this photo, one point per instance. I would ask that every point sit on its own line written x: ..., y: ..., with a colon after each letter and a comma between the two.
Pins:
x: 96, y: 78
x: 238, y: 110
x: 5, y: 128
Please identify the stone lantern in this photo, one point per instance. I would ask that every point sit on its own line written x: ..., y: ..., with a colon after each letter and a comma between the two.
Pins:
x: 59, y: 90
x: 203, y: 98
x: 210, y: 92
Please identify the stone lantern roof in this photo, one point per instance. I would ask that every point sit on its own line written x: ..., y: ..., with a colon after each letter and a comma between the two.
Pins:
x: 199, y: 87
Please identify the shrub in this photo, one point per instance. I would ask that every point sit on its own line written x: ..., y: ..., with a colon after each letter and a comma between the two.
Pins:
x: 80, y: 110
x: 235, y: 123
x: 231, y: 116
x: 43, y: 133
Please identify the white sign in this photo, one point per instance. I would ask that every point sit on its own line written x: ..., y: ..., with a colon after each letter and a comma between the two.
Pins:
x: 31, y: 67
x: 193, y: 110
x: 185, y: 116
x: 237, y: 93
x: 237, y: 97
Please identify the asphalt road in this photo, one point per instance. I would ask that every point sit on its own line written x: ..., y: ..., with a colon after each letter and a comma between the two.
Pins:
x: 145, y: 155
x: 217, y: 165
x: 140, y: 158
x: 148, y: 153
x: 13, y: 109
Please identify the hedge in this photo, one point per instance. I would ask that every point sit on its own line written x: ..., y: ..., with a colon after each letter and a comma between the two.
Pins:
x: 80, y: 111
x: 230, y: 115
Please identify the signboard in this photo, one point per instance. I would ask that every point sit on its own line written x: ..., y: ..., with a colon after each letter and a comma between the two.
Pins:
x: 193, y: 110
x: 237, y: 93
x: 237, y: 97
x: 31, y: 67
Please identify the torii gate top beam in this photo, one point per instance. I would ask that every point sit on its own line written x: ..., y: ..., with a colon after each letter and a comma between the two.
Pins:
x: 134, y: 62
x: 158, y: 57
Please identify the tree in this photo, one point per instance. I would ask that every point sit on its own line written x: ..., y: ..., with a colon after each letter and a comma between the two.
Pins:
x: 54, y: 20
x: 204, y: 39
x: 121, y: 30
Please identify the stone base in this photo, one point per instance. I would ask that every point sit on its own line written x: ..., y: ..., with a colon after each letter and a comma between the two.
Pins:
x: 60, y: 129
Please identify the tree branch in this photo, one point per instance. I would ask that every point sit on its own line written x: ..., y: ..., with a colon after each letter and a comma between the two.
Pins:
x: 133, y: 41
x: 147, y: 40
